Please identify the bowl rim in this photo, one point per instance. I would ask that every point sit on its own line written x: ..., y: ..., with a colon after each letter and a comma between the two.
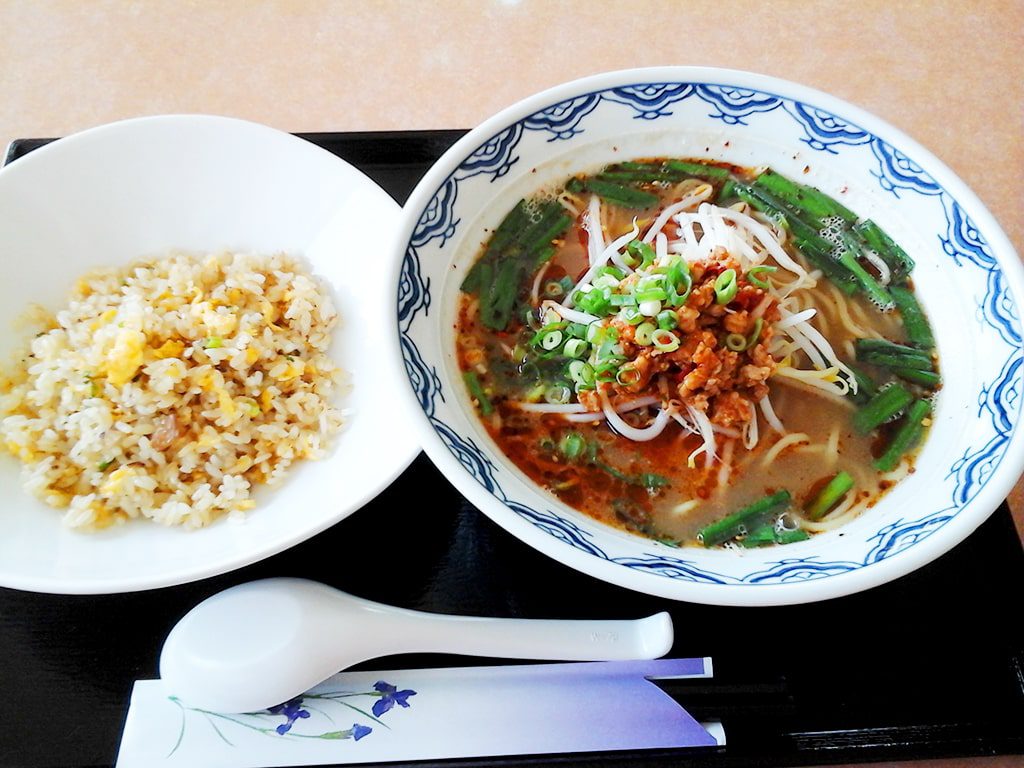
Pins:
x: 979, y: 508
x: 71, y: 140
x: 345, y: 504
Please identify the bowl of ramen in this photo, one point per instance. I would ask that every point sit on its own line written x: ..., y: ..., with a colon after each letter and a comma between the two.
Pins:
x: 712, y: 336
x: 188, y: 372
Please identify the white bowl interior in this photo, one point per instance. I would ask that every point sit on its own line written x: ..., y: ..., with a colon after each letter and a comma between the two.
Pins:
x: 956, y: 483
x: 141, y: 188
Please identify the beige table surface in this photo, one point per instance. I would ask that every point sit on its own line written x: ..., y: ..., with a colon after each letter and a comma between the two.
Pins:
x: 947, y: 73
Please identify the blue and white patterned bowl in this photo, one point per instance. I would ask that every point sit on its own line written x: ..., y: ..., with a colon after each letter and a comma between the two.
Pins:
x: 968, y: 276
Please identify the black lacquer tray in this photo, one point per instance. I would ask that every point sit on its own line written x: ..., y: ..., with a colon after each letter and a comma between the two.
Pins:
x: 931, y: 665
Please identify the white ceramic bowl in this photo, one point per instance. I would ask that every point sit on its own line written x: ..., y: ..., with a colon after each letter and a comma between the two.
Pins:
x: 967, y: 274
x: 140, y: 188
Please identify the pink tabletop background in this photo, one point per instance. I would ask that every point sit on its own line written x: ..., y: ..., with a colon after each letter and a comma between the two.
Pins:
x: 948, y: 73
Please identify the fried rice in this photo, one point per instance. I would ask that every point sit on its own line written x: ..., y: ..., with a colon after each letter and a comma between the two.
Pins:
x: 168, y: 389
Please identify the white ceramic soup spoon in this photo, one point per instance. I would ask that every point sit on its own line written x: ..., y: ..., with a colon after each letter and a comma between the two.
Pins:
x: 258, y: 644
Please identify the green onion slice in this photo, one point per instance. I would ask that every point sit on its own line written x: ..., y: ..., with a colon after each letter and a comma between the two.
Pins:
x: 575, y: 348
x: 631, y: 315
x: 644, y: 332
x: 554, y: 288
x: 737, y: 342
x: 667, y: 320
x: 652, y: 294
x: 551, y: 340
x: 726, y: 287
x: 572, y: 445
x: 558, y: 394
x: 753, y: 272
x: 665, y: 341
x: 642, y: 251
x: 581, y: 373
x: 755, y: 335
x: 544, y: 330
x: 628, y: 375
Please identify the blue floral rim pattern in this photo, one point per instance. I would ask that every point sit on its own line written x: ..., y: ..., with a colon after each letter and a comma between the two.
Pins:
x: 822, y: 131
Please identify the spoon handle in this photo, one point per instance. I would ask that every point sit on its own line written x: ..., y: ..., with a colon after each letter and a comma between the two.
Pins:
x: 569, y: 640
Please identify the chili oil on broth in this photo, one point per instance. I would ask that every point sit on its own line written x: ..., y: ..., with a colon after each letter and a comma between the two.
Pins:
x: 614, y: 481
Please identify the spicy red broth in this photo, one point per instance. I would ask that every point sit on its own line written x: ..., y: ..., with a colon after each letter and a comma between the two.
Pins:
x: 703, y: 355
